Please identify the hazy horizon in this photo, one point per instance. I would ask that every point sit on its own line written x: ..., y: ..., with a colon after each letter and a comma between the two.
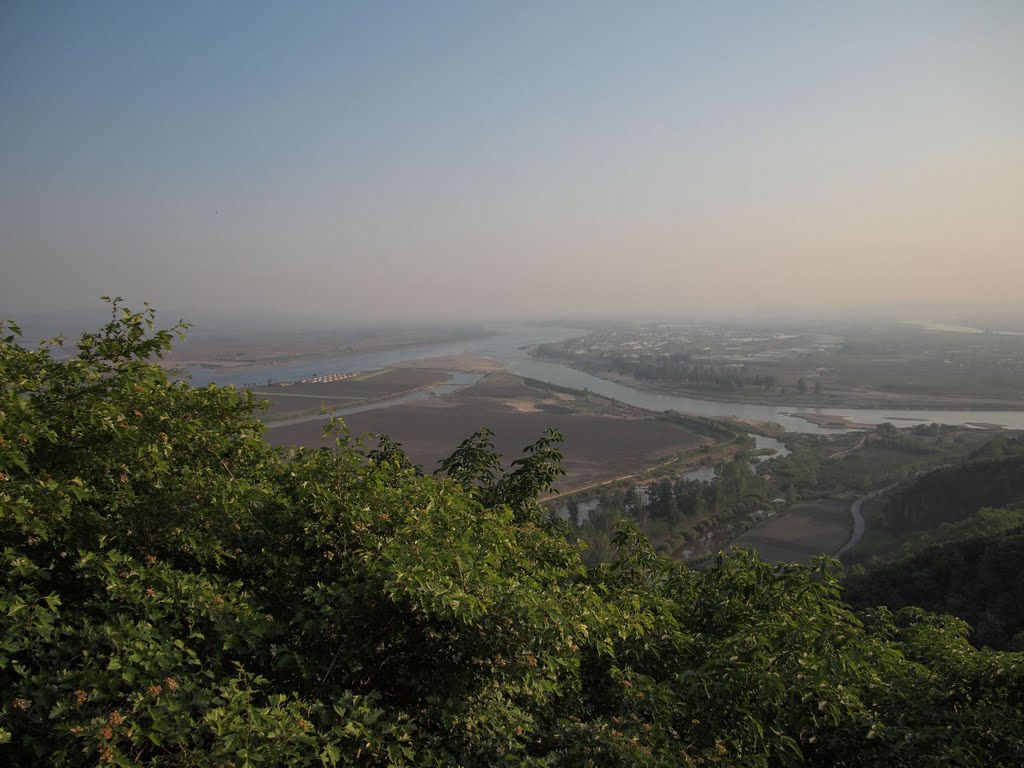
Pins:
x: 461, y: 161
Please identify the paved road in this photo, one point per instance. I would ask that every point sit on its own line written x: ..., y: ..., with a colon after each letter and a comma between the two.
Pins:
x: 858, y: 519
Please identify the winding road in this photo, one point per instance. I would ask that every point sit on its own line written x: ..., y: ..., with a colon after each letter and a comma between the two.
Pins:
x: 858, y: 519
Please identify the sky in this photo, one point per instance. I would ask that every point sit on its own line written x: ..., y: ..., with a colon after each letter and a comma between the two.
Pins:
x: 476, y: 159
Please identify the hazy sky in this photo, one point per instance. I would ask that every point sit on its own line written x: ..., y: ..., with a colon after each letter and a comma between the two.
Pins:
x: 504, y: 157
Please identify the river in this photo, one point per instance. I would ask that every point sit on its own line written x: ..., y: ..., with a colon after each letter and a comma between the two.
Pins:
x: 508, y: 347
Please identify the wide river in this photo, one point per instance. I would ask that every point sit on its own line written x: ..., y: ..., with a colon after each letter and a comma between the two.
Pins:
x: 508, y: 348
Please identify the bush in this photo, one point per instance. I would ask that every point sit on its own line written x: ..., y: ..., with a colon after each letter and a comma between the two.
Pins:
x: 177, y: 592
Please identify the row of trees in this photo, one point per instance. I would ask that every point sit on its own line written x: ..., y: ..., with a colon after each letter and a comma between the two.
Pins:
x: 676, y: 500
x: 802, y: 386
x: 679, y: 368
x: 673, y: 368
x: 175, y: 591
x: 671, y: 511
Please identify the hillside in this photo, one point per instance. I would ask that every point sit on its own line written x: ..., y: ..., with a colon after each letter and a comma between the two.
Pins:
x: 178, y: 592
x: 958, y: 555
x: 992, y: 476
x: 968, y: 569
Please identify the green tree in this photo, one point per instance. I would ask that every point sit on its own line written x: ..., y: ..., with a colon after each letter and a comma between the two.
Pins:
x: 573, y: 508
x: 176, y: 592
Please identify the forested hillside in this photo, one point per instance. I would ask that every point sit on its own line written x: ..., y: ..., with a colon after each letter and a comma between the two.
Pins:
x: 969, y: 569
x: 958, y: 557
x: 993, y: 476
x: 177, y: 592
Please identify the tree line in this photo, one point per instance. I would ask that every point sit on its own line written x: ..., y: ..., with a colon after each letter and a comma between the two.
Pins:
x: 674, y: 368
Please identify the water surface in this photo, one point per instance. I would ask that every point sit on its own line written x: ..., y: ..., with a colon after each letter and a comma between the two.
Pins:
x: 509, y: 347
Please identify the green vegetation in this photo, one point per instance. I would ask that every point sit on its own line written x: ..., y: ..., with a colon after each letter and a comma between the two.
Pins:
x: 856, y: 463
x: 175, y: 591
x: 969, y: 569
x: 673, y: 513
x: 695, y: 518
x: 991, y: 476
x: 949, y: 552
x: 963, y: 477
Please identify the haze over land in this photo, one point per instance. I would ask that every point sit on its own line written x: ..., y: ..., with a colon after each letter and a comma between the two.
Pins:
x: 569, y: 383
x: 412, y: 160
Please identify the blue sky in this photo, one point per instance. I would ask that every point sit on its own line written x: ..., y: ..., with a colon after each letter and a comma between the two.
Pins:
x: 443, y: 158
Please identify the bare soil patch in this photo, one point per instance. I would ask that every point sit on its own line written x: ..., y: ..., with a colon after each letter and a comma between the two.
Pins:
x: 766, y: 428
x: 597, y: 446
x: 522, y: 406
x: 505, y: 386
x: 810, y: 528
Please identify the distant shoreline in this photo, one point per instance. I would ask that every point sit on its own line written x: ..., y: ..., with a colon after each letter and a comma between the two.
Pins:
x: 871, y: 401
x: 929, y: 325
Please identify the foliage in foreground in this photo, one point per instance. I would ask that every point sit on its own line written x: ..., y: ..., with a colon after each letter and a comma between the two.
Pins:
x: 176, y: 592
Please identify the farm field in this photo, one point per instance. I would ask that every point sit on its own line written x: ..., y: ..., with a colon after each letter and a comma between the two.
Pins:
x: 806, y: 529
x: 603, y: 439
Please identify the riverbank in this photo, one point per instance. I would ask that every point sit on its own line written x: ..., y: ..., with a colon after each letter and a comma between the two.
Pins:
x: 229, y: 355
x: 862, y: 400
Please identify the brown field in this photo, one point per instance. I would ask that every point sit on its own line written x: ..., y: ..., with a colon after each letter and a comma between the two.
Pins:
x: 602, y: 439
x: 374, y: 385
x: 810, y: 528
